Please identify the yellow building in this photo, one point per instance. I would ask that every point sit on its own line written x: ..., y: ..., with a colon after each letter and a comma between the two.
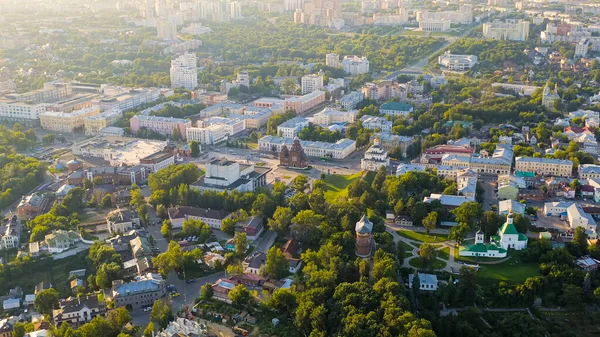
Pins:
x: 66, y: 122
x: 545, y: 166
x: 95, y: 123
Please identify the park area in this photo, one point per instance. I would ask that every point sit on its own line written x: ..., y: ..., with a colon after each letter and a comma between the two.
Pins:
x: 336, y: 185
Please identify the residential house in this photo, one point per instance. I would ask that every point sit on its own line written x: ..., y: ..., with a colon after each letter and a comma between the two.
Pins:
x: 252, y: 264
x: 79, y: 310
x: 403, y: 220
x: 213, y: 218
x: 60, y: 240
x: 253, y: 227
x: 427, y: 282
x: 122, y: 221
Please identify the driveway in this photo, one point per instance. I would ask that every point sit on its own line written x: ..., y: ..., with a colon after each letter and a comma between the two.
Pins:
x: 265, y: 242
x: 189, y: 292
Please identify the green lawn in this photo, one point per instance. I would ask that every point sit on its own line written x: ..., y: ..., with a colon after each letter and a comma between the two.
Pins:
x: 416, y: 262
x: 422, y: 237
x: 512, y: 271
x: 413, y: 33
x: 444, y: 253
x: 370, y: 176
x: 407, y: 249
x: 336, y: 185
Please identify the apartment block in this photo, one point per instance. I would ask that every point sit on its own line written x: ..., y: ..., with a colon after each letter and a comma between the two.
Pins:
x: 162, y: 125
x: 350, y: 100
x: 338, y: 150
x: 184, y: 72
x: 312, y: 82
x: 516, y: 30
x: 301, y: 104
x: 355, y: 65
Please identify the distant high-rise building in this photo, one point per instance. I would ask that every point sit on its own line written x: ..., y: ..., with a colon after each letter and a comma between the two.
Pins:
x: 332, y: 60
x: 166, y: 29
x: 292, y: 5
x: 311, y: 83
x: 235, y: 10
x: 184, y: 72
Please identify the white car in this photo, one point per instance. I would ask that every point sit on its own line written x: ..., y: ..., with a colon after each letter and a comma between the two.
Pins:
x: 146, y: 309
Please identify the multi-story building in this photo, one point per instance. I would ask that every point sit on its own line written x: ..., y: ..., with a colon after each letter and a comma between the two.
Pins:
x: 23, y: 112
x: 499, y: 163
x: 242, y: 78
x: 116, y: 175
x: 129, y: 99
x: 382, y: 90
x: 396, y: 109
x: 290, y: 128
x: 435, y: 25
x: 330, y: 116
x: 509, y: 30
x: 545, y: 166
x: 577, y: 217
x: 311, y: 82
x: 140, y: 293
x: 235, y: 10
x: 184, y: 72
x: 212, y: 217
x: 51, y: 92
x: 94, y: 124
x: 31, y: 205
x: 162, y: 125
x: 457, y: 62
x: 582, y: 47
x: 166, y: 29
x: 338, y: 150
x: 589, y: 171
x: 227, y: 175
x: 78, y: 311
x: 221, y: 109
x: 233, y: 126
x: 355, y: 65
x: 375, y: 157
x: 301, y: 104
x: 66, y: 122
x: 332, y: 60
x: 158, y: 161
x: 10, y: 234
x: 211, y: 134
x: 389, y: 141
x: 374, y: 123
x: 350, y: 100
x: 254, y: 120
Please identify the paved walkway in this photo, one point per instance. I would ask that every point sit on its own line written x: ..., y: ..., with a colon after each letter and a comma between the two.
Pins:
x: 451, y: 266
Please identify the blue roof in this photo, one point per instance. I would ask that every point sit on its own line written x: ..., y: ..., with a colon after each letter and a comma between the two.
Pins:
x: 138, y: 287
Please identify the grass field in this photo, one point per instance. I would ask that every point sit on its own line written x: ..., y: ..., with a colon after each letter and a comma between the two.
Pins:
x: 416, y: 263
x: 413, y: 33
x: 336, y: 185
x: 444, y: 253
x: 422, y: 237
x: 370, y: 176
x: 512, y: 271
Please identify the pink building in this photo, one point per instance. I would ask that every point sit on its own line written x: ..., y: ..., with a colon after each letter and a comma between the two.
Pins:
x: 162, y: 125
x: 301, y: 104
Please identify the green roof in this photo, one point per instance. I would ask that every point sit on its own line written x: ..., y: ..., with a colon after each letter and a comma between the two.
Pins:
x: 524, y: 174
x: 482, y: 248
x: 522, y: 237
x: 508, y: 228
x: 396, y: 106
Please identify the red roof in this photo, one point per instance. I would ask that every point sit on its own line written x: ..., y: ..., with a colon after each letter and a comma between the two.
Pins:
x: 290, y: 248
x: 587, y: 188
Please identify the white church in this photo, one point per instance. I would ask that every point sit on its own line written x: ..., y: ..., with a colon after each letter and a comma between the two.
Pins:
x: 508, y: 237
x: 375, y: 157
